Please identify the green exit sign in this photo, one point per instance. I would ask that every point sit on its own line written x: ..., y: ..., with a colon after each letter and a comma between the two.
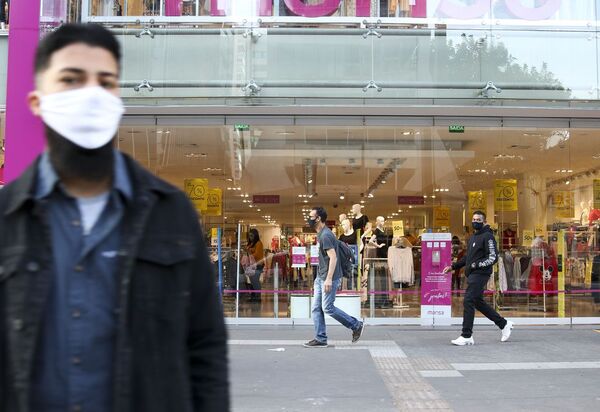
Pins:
x: 241, y: 127
x: 455, y: 128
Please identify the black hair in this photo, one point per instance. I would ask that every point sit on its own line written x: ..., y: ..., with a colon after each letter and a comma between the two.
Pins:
x: 480, y: 213
x: 254, y: 232
x: 92, y: 35
x: 321, y: 212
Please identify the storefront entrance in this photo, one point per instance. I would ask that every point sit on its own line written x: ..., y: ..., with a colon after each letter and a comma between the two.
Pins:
x: 537, y: 180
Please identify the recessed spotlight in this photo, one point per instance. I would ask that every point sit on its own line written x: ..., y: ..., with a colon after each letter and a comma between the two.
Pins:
x: 383, y: 182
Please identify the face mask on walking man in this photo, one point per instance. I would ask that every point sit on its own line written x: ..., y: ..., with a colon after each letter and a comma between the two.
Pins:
x: 91, y: 334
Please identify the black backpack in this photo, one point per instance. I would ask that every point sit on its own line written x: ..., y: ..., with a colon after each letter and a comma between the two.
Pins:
x: 347, y: 259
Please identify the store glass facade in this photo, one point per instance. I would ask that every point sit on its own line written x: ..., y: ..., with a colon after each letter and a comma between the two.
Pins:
x: 419, y: 111
x: 537, y: 186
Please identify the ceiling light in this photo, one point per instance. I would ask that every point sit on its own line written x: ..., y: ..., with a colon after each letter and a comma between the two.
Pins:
x: 433, y: 196
x: 305, y: 201
x: 570, y: 171
x: 370, y: 195
x: 568, y: 182
x: 310, y: 181
x: 405, y: 133
x: 383, y: 181
x: 342, y: 197
x: 362, y: 201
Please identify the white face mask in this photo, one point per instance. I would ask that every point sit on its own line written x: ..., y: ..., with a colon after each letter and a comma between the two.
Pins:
x: 88, y: 117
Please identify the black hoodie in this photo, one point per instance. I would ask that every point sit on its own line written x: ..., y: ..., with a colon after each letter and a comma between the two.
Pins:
x: 481, y: 255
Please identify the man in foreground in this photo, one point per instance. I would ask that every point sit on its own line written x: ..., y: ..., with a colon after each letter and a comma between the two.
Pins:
x: 107, y: 297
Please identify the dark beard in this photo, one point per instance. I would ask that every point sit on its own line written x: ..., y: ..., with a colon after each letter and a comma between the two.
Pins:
x: 72, y: 162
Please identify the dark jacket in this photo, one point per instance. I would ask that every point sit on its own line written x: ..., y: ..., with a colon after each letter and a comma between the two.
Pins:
x: 171, y: 352
x: 482, y: 253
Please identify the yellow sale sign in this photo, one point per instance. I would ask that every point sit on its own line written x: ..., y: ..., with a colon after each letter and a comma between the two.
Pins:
x: 477, y: 201
x: 197, y: 191
x: 441, y: 216
x: 398, y: 227
x: 505, y: 195
x: 214, y: 203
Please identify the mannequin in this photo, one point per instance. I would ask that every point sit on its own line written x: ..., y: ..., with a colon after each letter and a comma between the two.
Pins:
x: 380, y: 240
x: 349, y: 236
x: 594, y: 214
x: 585, y: 213
x: 360, y: 220
x: 401, y: 267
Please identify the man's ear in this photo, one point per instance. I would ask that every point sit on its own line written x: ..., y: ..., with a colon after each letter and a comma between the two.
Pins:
x: 33, y: 99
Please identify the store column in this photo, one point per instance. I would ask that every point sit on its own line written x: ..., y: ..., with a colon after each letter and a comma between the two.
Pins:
x: 24, y: 133
x: 533, y: 206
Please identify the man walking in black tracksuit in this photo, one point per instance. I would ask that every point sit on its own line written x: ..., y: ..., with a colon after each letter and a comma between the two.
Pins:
x: 482, y: 254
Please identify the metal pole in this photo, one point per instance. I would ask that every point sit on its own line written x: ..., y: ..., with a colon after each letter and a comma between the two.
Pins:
x: 220, y: 263
x: 239, y: 259
x: 276, y: 287
x: 372, y: 287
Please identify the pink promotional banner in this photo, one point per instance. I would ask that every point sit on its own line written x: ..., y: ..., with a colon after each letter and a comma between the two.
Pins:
x: 24, y: 132
x: 298, y: 256
x: 436, y: 297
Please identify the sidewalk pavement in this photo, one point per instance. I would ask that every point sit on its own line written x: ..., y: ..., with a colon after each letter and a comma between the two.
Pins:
x: 399, y: 368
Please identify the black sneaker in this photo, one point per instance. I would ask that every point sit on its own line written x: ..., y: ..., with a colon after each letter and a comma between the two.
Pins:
x: 315, y: 344
x: 358, y: 332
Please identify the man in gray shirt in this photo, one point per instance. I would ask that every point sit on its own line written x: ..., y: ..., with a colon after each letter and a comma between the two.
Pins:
x: 327, y: 282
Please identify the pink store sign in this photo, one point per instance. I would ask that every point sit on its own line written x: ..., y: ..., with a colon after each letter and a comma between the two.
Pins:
x: 453, y: 9
x: 436, y: 296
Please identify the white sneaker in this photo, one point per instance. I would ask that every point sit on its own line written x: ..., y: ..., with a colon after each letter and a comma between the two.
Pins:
x: 506, y: 331
x: 461, y: 341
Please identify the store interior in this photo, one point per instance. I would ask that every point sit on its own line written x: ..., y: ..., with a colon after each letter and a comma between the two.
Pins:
x: 270, y: 176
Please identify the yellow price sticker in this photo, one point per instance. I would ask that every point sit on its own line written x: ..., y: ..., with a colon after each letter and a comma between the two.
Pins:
x: 528, y: 237
x: 398, y: 227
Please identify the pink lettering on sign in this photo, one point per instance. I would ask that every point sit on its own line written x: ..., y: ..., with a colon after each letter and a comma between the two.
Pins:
x: 218, y: 7
x: 449, y: 8
x: 265, y: 199
x: 542, y: 11
x: 173, y: 7
x: 325, y: 8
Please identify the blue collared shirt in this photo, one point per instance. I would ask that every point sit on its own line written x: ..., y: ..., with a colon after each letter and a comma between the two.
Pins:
x: 74, y: 364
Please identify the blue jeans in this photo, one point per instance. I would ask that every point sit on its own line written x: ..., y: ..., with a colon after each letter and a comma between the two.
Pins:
x: 323, y: 303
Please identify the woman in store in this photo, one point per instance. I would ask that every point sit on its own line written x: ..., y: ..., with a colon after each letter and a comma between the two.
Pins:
x: 255, y: 248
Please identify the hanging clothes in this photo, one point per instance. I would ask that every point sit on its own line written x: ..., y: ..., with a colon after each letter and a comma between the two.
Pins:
x: 401, y: 265
x: 502, y: 278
